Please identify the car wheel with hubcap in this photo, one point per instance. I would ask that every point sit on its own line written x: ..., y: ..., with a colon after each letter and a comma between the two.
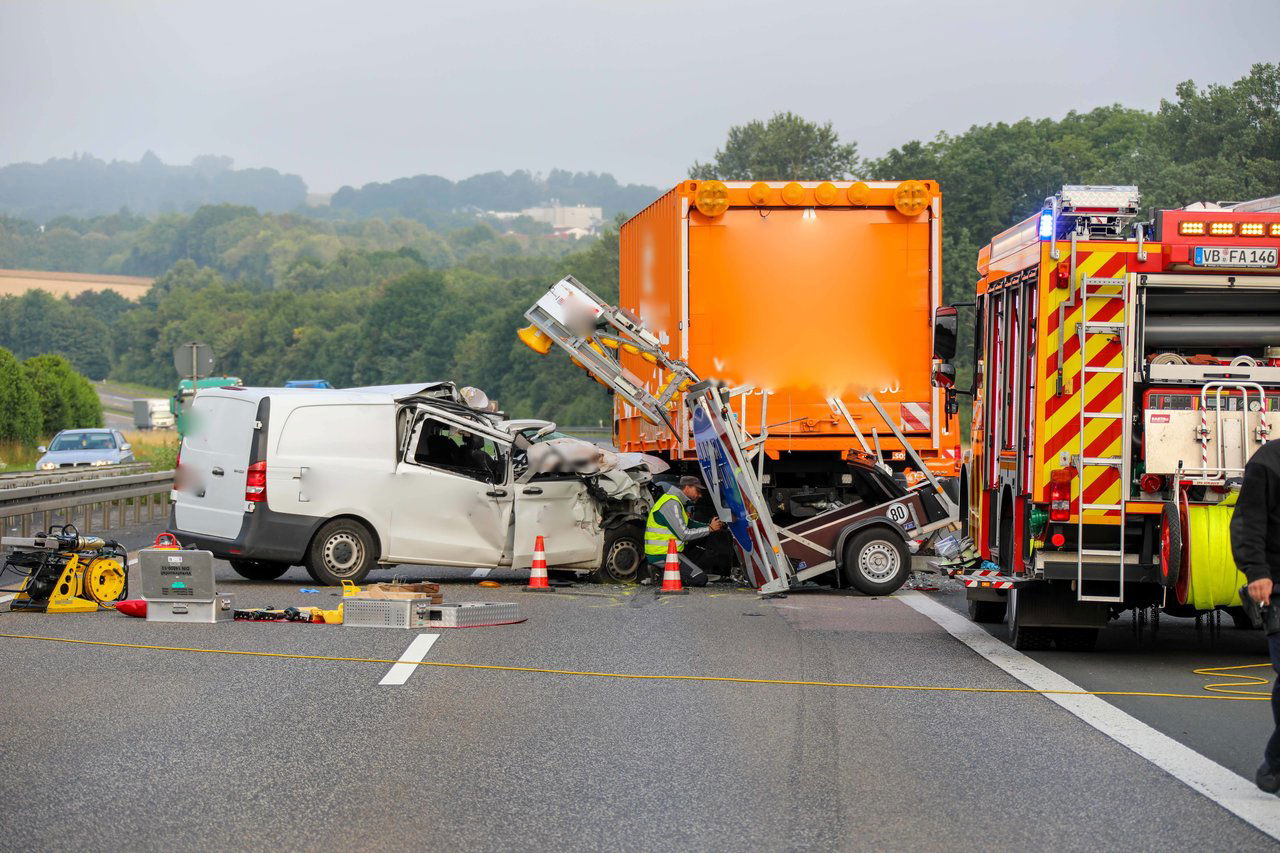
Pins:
x: 342, y: 550
x: 259, y: 570
x: 876, y: 561
x: 623, y: 555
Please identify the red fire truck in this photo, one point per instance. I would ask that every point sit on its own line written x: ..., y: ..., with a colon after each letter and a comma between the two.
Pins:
x: 1124, y: 374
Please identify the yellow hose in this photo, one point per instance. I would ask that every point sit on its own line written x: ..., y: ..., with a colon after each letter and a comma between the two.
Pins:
x: 1214, y: 579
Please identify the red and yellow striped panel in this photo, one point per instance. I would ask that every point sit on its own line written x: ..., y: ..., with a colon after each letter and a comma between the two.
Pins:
x: 1059, y: 416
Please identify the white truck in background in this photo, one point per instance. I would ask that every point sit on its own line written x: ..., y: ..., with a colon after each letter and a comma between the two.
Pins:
x: 341, y: 481
x: 152, y: 414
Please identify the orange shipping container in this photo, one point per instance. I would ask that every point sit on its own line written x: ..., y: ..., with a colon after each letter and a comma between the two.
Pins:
x: 806, y: 290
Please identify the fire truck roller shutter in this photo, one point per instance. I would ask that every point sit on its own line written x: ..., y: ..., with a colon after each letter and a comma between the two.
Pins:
x: 1212, y: 319
x: 1212, y: 330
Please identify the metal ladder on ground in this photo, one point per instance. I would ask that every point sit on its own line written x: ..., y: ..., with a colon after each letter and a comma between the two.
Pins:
x: 1095, y: 292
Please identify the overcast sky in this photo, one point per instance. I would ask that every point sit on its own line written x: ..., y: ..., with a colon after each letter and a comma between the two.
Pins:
x: 345, y: 93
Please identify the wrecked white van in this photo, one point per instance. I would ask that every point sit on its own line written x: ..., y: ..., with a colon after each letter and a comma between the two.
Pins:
x: 341, y: 481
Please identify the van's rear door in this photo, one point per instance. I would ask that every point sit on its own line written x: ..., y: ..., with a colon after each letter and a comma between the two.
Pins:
x: 215, y: 459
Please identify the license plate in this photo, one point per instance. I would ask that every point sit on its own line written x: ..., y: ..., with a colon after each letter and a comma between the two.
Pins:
x: 1234, y: 256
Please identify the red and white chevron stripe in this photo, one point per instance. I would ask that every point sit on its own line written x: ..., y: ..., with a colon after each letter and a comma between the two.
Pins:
x: 916, y: 417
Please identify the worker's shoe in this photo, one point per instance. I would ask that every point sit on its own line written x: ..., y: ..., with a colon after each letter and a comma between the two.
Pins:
x: 1267, y: 779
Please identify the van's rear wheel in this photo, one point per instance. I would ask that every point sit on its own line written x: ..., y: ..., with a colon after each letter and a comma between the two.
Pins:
x: 342, y: 550
x: 259, y: 570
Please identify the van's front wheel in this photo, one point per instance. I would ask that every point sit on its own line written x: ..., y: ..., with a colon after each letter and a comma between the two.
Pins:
x: 342, y: 550
x: 258, y: 570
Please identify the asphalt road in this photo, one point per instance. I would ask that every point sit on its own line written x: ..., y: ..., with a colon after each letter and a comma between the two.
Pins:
x: 115, y: 747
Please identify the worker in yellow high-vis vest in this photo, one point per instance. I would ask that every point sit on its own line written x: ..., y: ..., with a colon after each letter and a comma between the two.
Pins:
x: 669, y: 520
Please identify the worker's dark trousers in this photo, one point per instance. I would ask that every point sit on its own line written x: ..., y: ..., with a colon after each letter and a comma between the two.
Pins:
x: 690, y: 574
x: 1273, y: 745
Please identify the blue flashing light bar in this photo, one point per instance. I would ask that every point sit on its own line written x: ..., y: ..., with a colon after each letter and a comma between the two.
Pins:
x: 1046, y: 225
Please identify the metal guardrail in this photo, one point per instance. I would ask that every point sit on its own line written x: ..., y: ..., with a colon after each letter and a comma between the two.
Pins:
x: 88, y: 503
x: 60, y: 475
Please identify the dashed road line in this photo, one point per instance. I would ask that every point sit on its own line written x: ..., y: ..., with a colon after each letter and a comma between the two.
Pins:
x: 1231, y: 791
x: 408, y: 663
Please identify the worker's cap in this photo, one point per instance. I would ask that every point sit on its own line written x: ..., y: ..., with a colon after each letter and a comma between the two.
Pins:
x: 690, y: 481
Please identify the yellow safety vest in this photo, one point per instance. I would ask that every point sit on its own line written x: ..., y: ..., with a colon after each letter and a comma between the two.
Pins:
x: 657, y: 534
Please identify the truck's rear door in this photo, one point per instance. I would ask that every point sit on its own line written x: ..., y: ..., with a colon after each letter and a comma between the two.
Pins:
x: 215, y: 459
x: 810, y: 302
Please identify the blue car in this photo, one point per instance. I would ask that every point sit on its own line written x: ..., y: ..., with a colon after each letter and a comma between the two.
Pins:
x: 75, y: 448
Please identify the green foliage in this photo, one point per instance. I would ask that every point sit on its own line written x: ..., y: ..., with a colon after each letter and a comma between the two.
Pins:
x: 1222, y: 143
x: 36, y: 323
x: 785, y: 148
x: 67, y: 399
x: 20, y: 416
x: 439, y: 293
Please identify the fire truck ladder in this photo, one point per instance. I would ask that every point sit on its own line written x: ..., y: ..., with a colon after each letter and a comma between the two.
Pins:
x: 1094, y: 293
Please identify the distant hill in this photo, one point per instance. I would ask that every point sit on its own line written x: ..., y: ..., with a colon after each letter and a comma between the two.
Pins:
x: 423, y: 196
x: 85, y: 186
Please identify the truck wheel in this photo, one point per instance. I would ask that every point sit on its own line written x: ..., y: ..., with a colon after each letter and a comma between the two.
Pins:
x: 623, y: 555
x: 987, y: 612
x: 341, y: 550
x: 876, y: 561
x: 1023, y: 637
x: 259, y: 570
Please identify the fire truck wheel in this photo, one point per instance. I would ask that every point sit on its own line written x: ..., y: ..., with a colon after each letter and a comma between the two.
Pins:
x: 1024, y: 637
x: 876, y: 561
x: 258, y: 570
x: 341, y: 550
x: 987, y: 612
x: 1170, y: 545
x: 623, y: 555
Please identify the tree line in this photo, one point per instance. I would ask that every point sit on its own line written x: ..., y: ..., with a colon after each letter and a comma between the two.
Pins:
x: 41, y: 396
x: 84, y: 185
x: 282, y: 296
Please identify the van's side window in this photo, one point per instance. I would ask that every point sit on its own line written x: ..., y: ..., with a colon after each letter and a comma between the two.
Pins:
x: 440, y: 445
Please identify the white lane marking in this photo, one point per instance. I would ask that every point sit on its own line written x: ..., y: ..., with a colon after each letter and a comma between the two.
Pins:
x: 1234, y: 793
x: 481, y: 573
x: 408, y: 663
x: 10, y: 597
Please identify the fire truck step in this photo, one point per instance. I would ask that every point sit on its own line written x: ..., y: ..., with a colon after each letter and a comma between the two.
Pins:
x: 1099, y: 552
x: 1109, y: 461
x: 1104, y: 370
x: 1110, y: 415
x: 1096, y: 328
x: 1111, y: 507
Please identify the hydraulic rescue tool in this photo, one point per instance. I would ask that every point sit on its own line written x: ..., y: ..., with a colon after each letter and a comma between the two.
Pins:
x: 66, y: 572
x: 865, y: 540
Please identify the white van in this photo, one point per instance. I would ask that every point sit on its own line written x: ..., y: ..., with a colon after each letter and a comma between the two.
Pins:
x: 341, y: 481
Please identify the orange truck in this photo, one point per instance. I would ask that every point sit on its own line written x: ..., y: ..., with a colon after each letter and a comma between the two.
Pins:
x: 809, y: 293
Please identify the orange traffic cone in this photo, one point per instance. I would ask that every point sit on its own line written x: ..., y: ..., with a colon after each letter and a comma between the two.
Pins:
x: 538, y: 573
x: 671, y: 584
